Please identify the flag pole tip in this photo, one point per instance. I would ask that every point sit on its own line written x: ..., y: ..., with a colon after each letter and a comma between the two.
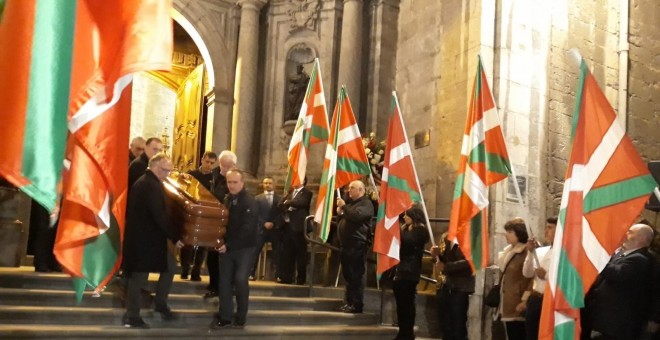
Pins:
x: 574, y: 55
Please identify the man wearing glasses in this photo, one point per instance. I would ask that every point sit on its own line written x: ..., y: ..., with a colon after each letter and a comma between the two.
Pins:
x: 146, y: 242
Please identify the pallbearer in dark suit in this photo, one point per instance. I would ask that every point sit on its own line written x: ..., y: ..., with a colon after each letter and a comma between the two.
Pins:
x: 618, y: 303
x: 267, y: 203
x: 294, y: 208
x: 146, y: 242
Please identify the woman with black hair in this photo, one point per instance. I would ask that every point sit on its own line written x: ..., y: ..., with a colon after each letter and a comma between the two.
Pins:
x: 414, y: 235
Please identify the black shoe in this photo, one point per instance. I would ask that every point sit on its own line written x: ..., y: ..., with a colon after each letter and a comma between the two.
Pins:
x: 344, y: 307
x: 210, y: 294
x: 239, y: 325
x: 166, y: 313
x: 195, y: 278
x: 136, y: 323
x: 184, y: 276
x: 251, y: 278
x: 282, y: 281
x: 220, y: 324
x: 352, y: 310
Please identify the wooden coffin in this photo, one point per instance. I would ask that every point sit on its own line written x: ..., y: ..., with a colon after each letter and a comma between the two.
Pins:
x: 199, y: 217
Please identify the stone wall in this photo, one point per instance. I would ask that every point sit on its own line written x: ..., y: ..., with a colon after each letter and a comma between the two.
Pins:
x: 644, y: 78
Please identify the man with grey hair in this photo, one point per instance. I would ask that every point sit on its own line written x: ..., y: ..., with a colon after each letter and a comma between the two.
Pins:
x: 226, y: 161
x: 135, y: 149
x: 146, y: 242
x: 137, y: 167
x: 618, y: 303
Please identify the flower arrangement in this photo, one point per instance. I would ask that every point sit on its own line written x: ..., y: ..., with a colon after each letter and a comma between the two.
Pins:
x: 375, y: 152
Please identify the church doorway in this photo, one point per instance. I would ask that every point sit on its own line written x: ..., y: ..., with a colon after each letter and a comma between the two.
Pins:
x: 177, y: 106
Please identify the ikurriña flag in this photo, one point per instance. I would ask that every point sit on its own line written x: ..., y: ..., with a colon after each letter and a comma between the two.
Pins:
x: 36, y: 45
x: 345, y: 160
x: 311, y: 127
x: 113, y: 39
x: 606, y: 187
x: 484, y: 161
x: 399, y: 190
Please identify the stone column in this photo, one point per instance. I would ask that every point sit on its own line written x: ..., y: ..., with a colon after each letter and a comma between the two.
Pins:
x: 350, y: 55
x: 243, y: 136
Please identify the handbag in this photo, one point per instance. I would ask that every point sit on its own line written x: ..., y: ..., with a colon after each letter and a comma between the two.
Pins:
x: 493, y: 297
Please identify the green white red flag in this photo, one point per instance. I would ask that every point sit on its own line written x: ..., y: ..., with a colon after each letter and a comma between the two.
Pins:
x: 484, y: 161
x: 399, y: 190
x: 345, y: 160
x: 606, y: 187
x: 95, y: 46
x: 311, y: 128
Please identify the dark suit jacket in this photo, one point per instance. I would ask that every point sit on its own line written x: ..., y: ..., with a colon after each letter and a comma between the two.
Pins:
x: 147, y: 229
x: 299, y: 210
x: 267, y: 213
x: 136, y: 169
x: 618, y: 302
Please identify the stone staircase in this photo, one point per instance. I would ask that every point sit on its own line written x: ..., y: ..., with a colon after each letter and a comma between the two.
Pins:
x: 39, y: 305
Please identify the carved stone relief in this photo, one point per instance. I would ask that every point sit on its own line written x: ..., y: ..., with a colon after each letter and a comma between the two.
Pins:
x: 303, y: 14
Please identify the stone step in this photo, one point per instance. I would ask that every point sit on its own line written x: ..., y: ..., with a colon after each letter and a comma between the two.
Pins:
x: 66, y: 298
x: 186, y: 317
x: 59, y: 281
x: 15, y: 331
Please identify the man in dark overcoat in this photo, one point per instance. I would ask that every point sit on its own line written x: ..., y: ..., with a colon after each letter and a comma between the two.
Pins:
x: 146, y: 242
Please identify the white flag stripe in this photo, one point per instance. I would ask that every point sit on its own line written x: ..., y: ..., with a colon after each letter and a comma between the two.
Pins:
x: 385, y: 175
x: 395, y: 246
x: 592, y: 247
x: 475, y: 188
x: 103, y: 218
x: 297, y: 135
x: 348, y: 134
x: 560, y: 319
x: 97, y: 105
x: 319, y: 99
x: 602, y: 155
x: 399, y: 152
x: 478, y: 131
x: 390, y: 221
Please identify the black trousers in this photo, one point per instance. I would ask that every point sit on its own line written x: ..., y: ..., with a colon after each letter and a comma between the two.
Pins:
x: 404, y: 294
x: 188, y: 254
x: 453, y: 308
x: 533, y: 316
x: 213, y: 266
x: 353, y: 267
x: 515, y: 330
x: 294, y: 257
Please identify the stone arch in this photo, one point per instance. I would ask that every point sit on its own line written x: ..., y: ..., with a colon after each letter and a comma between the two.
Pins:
x: 194, y: 15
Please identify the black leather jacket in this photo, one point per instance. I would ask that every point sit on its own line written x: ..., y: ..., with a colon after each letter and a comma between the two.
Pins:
x: 355, y: 223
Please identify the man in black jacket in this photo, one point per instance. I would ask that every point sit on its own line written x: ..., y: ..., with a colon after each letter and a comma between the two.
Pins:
x: 453, y: 297
x: 203, y: 174
x: 146, y: 242
x: 226, y: 161
x: 139, y: 165
x: 354, y: 235
x: 618, y: 303
x: 294, y: 208
x: 236, y: 252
